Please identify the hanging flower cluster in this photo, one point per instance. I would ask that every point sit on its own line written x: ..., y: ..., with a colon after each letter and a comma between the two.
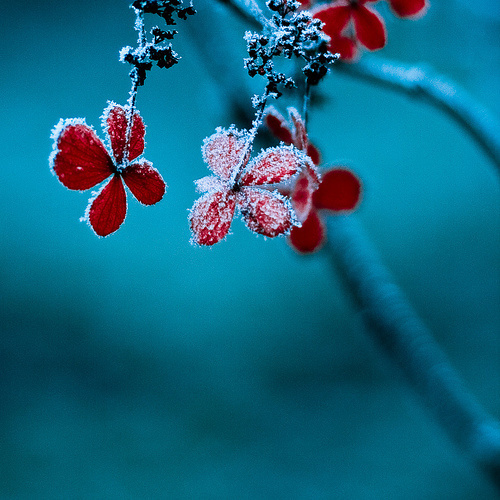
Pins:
x: 354, y: 23
x: 338, y: 190
x: 81, y: 161
x: 242, y: 184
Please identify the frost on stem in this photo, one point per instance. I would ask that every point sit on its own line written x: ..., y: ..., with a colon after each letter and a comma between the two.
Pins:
x: 156, y: 51
x: 289, y: 33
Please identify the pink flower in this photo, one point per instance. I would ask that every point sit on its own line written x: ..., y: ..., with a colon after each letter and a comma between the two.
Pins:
x: 81, y: 161
x: 240, y: 183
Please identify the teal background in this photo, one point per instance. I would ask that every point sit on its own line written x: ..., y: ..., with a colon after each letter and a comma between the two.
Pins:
x: 139, y: 366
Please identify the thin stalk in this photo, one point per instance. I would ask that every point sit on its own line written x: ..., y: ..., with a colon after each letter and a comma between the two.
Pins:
x: 141, y: 41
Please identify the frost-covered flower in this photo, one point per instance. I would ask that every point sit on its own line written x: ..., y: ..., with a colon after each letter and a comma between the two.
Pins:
x: 338, y: 190
x: 240, y: 183
x: 81, y: 161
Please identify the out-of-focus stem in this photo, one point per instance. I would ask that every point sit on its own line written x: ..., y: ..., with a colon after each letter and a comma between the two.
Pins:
x: 440, y: 92
x: 397, y: 329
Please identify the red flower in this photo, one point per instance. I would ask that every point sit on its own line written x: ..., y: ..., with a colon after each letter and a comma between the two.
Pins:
x: 338, y: 190
x: 81, y: 161
x: 236, y: 184
x: 366, y: 25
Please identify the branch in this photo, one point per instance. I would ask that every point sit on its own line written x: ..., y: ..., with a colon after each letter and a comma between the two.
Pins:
x: 439, y: 91
x: 395, y: 327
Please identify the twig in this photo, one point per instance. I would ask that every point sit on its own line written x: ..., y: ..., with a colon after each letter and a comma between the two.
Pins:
x: 439, y: 91
x: 397, y: 329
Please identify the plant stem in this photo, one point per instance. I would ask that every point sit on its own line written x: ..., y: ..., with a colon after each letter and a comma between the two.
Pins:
x: 395, y: 327
x: 439, y: 91
x: 141, y: 41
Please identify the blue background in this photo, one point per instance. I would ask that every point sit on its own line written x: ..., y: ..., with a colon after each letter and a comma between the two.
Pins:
x: 138, y: 366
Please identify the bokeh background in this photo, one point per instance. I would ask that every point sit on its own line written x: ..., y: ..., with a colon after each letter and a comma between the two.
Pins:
x: 139, y: 366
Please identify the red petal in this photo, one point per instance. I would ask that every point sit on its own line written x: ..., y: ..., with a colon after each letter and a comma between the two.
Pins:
x: 339, y: 190
x: 224, y: 151
x: 107, y: 211
x: 79, y: 159
x: 370, y: 28
x: 300, y: 129
x: 409, y: 8
x: 335, y: 17
x: 145, y: 182
x: 211, y: 217
x: 273, y: 165
x: 116, y: 126
x: 309, y: 236
x: 278, y: 126
x: 314, y: 154
x: 264, y: 212
x: 302, y: 196
x: 344, y: 46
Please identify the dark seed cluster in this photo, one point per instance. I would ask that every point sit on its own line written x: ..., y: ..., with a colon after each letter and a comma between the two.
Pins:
x: 165, y: 9
x: 289, y: 34
x: 157, y: 51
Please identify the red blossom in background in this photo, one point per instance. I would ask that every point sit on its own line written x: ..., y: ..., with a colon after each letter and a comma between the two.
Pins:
x: 81, y: 161
x: 237, y: 183
x: 350, y: 23
x: 338, y: 190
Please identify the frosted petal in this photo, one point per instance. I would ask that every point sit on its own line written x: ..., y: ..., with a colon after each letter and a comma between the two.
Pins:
x: 300, y: 134
x: 114, y: 121
x: 278, y: 126
x: 211, y: 217
x: 273, y: 165
x: 145, y: 182
x: 107, y: 209
x: 225, y: 150
x: 265, y: 212
x: 302, y: 195
x: 79, y: 158
x: 208, y: 184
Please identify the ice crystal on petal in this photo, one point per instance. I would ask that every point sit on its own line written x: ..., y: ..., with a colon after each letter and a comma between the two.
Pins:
x: 274, y: 165
x: 208, y: 184
x: 225, y: 150
x: 266, y: 213
x: 211, y: 217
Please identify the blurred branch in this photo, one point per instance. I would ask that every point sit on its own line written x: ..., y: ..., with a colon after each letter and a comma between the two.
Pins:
x: 439, y: 91
x: 397, y: 329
